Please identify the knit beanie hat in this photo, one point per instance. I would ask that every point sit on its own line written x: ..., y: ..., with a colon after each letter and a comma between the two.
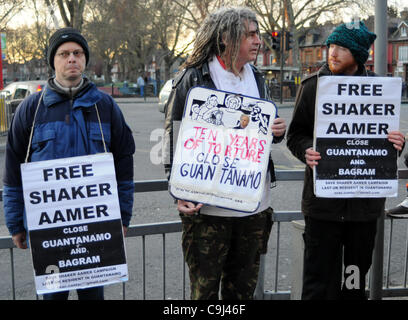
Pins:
x: 355, y: 37
x: 65, y: 35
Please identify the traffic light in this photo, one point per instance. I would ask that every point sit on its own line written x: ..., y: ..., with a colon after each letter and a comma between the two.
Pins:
x: 288, y: 40
x: 276, y: 40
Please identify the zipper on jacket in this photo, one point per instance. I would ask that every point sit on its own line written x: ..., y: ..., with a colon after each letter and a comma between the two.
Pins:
x: 71, y: 112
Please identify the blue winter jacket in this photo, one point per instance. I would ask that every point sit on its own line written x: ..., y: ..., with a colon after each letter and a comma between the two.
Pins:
x: 66, y: 126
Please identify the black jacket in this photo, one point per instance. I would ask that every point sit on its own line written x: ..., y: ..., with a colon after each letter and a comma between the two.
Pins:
x: 188, y: 78
x: 300, y: 138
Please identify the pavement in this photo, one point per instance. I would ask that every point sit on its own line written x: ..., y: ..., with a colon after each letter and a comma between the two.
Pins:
x: 3, y: 141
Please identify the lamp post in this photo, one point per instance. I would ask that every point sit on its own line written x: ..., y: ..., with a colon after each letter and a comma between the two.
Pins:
x: 380, y: 67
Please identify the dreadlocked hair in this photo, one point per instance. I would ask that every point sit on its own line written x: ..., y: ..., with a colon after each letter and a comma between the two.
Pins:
x: 221, y: 32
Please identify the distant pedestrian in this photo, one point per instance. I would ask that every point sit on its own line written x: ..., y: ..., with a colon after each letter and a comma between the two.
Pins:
x: 141, y: 85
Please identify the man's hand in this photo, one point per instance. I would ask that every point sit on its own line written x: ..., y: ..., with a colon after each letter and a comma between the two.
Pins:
x: 20, y: 240
x: 278, y: 127
x: 124, y: 230
x: 188, y: 208
x: 397, y: 139
x: 312, y: 157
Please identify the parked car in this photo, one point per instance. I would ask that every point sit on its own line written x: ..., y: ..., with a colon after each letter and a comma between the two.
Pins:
x: 15, y: 92
x: 164, y: 95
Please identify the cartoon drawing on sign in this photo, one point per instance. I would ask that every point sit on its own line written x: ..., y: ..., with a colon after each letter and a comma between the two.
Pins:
x: 233, y: 102
x: 257, y: 115
x: 207, y: 108
x: 231, y: 112
x: 214, y: 117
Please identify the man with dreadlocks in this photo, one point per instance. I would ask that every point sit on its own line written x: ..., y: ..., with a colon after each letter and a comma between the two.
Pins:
x: 219, y: 245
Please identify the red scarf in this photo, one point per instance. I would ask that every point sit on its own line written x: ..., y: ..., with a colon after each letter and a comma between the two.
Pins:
x: 221, y: 63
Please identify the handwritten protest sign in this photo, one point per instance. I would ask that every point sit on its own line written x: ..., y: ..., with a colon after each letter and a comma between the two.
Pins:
x: 74, y: 223
x: 353, y: 117
x: 222, y: 149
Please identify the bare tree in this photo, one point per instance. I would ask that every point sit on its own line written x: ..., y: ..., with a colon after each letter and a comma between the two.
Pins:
x: 104, y: 41
x: 170, y: 31
x: 22, y: 48
x: 26, y: 44
x: 7, y: 11
x: 197, y: 10
x: 71, y: 11
x: 119, y: 33
x: 141, y: 38
x: 298, y: 15
x: 176, y: 21
x: 41, y: 32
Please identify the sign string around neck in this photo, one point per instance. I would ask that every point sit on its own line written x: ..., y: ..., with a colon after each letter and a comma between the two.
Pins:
x: 32, y: 127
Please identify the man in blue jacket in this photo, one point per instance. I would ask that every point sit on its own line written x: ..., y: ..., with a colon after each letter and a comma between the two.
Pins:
x: 67, y: 119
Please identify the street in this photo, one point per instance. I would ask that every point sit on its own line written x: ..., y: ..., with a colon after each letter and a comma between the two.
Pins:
x: 147, y: 124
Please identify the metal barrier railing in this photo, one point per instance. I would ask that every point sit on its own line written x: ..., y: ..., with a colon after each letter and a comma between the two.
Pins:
x: 279, y: 217
x: 4, y: 116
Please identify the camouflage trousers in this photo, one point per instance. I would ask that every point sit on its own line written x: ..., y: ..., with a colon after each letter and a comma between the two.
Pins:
x: 224, y: 251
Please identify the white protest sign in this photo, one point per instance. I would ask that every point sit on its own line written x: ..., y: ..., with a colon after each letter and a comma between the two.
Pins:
x: 223, y: 150
x: 74, y: 223
x: 353, y: 116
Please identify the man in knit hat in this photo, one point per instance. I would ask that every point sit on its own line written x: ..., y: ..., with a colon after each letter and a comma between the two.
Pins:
x: 67, y: 117
x: 335, y: 224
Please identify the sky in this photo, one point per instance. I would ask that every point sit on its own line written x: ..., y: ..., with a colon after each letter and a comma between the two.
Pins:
x: 27, y: 15
x: 351, y: 13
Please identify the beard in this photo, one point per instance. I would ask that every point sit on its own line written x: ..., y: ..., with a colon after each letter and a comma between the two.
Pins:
x: 347, y: 67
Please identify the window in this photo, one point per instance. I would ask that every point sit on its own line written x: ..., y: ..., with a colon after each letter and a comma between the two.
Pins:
x: 324, y: 54
x: 259, y: 60
x: 309, y: 39
x: 370, y: 54
x: 403, y: 32
x: 272, y: 59
x: 403, y: 53
x: 309, y: 58
x: 20, y: 93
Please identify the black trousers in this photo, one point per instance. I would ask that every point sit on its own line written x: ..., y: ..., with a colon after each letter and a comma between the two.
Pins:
x: 325, y: 244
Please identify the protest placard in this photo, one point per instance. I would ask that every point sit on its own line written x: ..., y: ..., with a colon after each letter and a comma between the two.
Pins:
x: 74, y: 222
x: 353, y: 117
x: 222, y: 149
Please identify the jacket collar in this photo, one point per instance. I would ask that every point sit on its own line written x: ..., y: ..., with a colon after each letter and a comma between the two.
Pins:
x: 259, y: 78
x: 205, y: 69
x: 86, y: 96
